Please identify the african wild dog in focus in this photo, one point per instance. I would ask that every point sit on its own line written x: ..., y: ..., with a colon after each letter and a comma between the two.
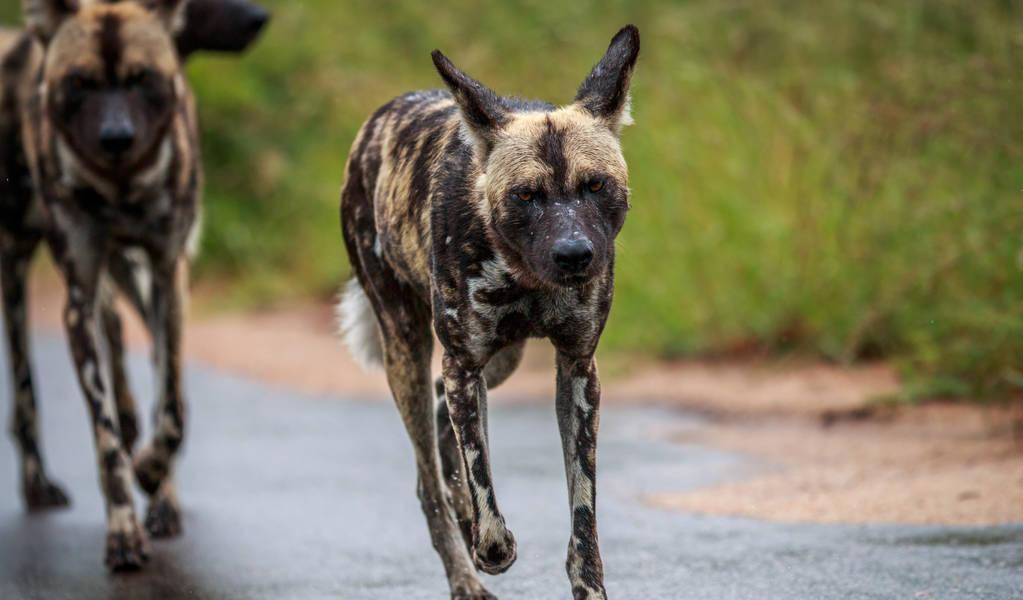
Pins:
x: 493, y: 220
x: 100, y: 159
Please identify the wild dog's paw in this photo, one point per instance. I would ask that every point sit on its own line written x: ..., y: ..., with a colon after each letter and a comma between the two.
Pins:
x: 42, y: 494
x: 581, y: 592
x: 163, y: 517
x: 469, y: 588
x: 476, y: 594
x: 150, y: 470
x: 496, y: 554
x: 127, y: 549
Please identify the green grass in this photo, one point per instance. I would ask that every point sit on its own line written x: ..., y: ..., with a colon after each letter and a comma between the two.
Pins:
x: 839, y: 178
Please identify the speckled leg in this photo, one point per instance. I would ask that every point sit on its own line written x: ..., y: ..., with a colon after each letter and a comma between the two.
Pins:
x: 578, y: 408
x: 494, y: 549
x: 37, y: 490
x: 408, y: 343
x: 155, y: 462
x: 502, y: 365
x: 77, y: 254
x: 126, y: 413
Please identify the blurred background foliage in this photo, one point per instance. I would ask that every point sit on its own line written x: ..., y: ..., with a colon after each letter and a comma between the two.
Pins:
x: 828, y: 178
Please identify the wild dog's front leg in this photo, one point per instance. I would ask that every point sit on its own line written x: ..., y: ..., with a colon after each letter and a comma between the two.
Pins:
x: 155, y: 462
x: 38, y: 491
x: 500, y: 366
x: 578, y: 407
x: 126, y: 543
x: 114, y: 332
x: 466, y: 394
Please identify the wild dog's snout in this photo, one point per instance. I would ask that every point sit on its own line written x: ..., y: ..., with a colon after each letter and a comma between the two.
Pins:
x: 572, y: 255
x: 116, y: 129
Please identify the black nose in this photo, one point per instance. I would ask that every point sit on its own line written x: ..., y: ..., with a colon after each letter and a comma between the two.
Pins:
x: 116, y: 140
x: 574, y: 255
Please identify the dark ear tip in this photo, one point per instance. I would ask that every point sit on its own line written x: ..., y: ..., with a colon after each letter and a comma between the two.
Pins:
x: 439, y: 60
x: 444, y: 67
x: 628, y: 34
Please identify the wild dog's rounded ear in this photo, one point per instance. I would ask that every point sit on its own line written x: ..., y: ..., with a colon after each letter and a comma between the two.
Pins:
x: 220, y: 26
x: 605, y: 92
x: 44, y: 17
x: 171, y: 12
x: 482, y: 110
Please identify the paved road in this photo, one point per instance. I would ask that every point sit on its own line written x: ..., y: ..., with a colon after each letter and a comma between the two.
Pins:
x: 292, y: 497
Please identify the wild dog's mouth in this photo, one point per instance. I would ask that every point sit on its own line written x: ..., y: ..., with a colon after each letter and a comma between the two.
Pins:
x: 553, y: 276
x: 116, y: 166
x: 575, y: 280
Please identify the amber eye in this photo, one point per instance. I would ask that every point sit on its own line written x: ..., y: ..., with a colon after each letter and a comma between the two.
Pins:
x: 595, y: 186
x: 524, y: 196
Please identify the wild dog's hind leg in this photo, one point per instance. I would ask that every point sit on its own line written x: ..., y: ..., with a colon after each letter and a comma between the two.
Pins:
x: 155, y: 462
x: 408, y: 344
x: 407, y: 349
x: 500, y: 366
x: 36, y: 488
x: 578, y: 408
x: 77, y: 253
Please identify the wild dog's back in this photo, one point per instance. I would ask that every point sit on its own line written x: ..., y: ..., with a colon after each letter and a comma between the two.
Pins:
x: 390, y: 179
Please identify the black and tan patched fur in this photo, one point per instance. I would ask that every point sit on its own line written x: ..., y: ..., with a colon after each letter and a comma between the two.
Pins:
x: 487, y: 220
x: 99, y: 159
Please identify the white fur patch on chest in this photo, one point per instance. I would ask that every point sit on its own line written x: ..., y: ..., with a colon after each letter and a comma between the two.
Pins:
x: 546, y: 309
x: 494, y: 275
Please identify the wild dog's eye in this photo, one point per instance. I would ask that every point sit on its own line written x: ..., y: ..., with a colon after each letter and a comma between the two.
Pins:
x: 141, y: 78
x: 524, y: 195
x: 74, y: 88
x: 595, y: 185
x: 75, y: 84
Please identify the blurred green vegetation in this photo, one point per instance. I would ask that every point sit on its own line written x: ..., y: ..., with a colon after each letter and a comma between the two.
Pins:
x: 835, y: 178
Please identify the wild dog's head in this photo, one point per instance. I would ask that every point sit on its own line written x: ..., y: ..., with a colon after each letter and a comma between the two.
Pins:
x: 111, y: 77
x: 556, y: 184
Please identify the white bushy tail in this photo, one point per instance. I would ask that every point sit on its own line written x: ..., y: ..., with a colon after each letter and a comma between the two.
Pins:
x: 357, y: 324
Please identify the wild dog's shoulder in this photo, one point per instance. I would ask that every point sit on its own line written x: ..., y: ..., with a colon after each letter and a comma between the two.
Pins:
x: 9, y: 38
x: 396, y: 132
x: 409, y: 108
x: 20, y: 57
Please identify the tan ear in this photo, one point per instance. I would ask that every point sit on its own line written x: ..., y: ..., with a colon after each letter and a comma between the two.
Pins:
x: 482, y: 110
x: 605, y: 93
x: 44, y: 17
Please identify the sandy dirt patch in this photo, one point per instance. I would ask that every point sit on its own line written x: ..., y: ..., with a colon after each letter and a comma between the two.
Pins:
x: 936, y: 464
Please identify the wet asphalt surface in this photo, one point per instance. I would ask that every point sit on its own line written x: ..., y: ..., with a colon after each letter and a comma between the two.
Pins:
x: 295, y: 497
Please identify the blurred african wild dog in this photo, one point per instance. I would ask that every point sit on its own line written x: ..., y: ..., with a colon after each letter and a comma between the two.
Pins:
x: 491, y: 220
x: 99, y: 158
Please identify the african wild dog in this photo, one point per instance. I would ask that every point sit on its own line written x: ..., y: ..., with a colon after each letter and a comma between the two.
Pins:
x: 100, y: 159
x: 494, y: 220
